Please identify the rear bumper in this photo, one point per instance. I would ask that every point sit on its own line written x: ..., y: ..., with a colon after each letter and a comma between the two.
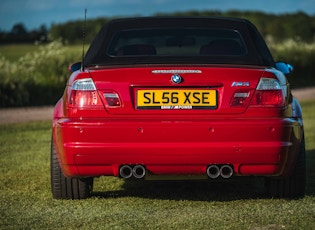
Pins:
x: 95, y: 147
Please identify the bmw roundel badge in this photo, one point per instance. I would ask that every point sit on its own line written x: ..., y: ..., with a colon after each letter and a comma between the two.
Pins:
x: 176, y: 79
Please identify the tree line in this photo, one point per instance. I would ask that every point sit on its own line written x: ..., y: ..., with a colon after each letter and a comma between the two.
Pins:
x: 298, y: 26
x: 19, y: 34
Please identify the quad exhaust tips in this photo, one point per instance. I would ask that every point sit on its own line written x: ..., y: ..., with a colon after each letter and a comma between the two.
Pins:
x: 127, y: 171
x: 139, y: 171
x: 214, y: 171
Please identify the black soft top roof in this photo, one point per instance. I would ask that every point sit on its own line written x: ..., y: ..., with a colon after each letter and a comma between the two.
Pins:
x: 258, y: 53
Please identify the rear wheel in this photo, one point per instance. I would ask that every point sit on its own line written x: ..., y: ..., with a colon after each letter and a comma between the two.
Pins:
x: 65, y: 187
x: 292, y: 186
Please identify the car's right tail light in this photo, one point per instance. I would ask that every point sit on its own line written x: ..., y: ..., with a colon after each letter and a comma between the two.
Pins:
x: 269, y: 92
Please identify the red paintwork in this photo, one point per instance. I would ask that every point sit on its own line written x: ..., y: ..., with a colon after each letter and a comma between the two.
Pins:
x: 95, y: 141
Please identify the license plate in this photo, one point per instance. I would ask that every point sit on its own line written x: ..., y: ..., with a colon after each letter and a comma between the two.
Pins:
x: 176, y: 99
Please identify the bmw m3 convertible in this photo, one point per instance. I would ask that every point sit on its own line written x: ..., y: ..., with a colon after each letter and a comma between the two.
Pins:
x: 161, y: 97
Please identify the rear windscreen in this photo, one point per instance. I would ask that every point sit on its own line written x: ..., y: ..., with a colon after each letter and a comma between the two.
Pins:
x: 177, y: 42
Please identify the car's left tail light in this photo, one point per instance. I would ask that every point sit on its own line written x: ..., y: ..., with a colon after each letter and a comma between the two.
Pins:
x: 84, y: 94
x: 269, y: 93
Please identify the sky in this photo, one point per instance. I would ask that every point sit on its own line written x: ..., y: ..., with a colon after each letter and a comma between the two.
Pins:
x: 34, y: 13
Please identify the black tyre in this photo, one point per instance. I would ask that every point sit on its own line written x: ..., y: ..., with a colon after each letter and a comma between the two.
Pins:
x: 292, y: 186
x: 65, y: 187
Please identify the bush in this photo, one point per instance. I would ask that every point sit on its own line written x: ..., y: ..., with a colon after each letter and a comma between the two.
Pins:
x: 38, y: 78
x: 299, y: 54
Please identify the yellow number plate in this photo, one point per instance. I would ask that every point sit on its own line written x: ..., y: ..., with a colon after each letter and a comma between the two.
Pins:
x: 176, y: 99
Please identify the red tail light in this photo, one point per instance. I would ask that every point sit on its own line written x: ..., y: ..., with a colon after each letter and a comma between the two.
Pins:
x: 241, y: 98
x: 84, y: 98
x: 112, y: 100
x: 268, y: 98
x: 269, y: 92
x: 84, y: 94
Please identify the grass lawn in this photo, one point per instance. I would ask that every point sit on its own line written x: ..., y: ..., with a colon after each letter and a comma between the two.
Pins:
x: 26, y: 201
x: 14, y: 51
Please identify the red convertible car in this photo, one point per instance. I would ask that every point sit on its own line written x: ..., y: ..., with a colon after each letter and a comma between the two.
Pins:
x: 178, y: 96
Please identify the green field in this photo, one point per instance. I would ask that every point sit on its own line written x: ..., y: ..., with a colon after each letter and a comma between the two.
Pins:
x: 26, y: 201
x: 13, y: 52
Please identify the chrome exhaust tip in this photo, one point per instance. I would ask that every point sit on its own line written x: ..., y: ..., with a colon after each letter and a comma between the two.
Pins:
x: 213, y: 171
x: 138, y: 171
x: 125, y: 171
x: 226, y: 171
